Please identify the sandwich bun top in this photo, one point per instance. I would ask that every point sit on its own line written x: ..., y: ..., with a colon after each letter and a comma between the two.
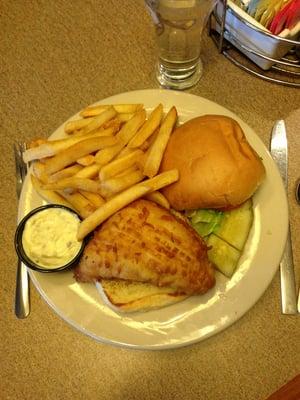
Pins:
x: 217, y: 166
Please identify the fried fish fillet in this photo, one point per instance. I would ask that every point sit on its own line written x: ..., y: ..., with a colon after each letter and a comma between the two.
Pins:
x: 144, y: 242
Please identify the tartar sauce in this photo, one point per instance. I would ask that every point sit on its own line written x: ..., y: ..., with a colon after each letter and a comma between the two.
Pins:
x: 49, y: 237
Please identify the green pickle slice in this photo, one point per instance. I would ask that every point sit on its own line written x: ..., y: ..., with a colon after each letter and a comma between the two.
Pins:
x: 223, y: 255
x: 235, y: 225
x: 226, y: 234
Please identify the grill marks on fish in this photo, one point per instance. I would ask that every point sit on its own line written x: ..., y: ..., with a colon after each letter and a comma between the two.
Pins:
x: 158, y: 244
x: 143, y: 242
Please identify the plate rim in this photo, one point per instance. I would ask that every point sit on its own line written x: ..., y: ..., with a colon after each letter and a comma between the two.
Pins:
x: 220, y: 328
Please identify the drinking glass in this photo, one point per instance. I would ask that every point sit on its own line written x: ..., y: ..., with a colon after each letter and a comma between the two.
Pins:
x: 178, y: 26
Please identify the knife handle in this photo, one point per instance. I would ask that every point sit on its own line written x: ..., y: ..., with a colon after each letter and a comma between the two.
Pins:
x: 22, y: 305
x: 288, y: 283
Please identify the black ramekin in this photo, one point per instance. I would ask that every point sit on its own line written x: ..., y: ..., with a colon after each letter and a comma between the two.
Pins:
x: 19, y: 246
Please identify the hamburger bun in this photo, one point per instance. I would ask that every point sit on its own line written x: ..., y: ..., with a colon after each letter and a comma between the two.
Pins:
x: 217, y: 166
x: 125, y: 296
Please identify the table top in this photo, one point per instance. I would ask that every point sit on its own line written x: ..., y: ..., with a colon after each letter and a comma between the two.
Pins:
x: 58, y: 57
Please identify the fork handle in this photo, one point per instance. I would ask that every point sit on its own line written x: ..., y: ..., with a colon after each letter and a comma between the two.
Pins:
x: 22, y: 305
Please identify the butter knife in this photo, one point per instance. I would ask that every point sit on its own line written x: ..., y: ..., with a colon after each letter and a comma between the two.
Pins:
x: 279, y: 152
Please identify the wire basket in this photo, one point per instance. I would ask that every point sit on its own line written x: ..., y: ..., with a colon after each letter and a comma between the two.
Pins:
x: 253, y: 49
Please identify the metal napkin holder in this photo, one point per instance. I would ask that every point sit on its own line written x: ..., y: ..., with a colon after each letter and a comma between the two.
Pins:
x: 285, y: 71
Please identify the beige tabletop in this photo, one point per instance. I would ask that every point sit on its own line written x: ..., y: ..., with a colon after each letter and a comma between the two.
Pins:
x: 57, y: 57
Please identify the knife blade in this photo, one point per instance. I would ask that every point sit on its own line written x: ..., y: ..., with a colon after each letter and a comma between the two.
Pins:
x: 279, y: 152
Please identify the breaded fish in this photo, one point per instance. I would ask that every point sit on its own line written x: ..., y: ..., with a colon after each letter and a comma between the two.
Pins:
x: 144, y: 242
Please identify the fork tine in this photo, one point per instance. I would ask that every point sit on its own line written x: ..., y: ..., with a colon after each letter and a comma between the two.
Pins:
x: 17, y: 150
x: 21, y: 167
x: 23, y: 146
x: 26, y: 165
x: 17, y: 153
x: 23, y: 170
x: 17, y: 168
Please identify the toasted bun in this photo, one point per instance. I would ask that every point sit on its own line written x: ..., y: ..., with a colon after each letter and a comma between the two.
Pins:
x: 125, y: 296
x: 217, y: 166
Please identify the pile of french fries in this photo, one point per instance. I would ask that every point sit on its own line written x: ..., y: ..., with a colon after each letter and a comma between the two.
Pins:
x: 110, y: 157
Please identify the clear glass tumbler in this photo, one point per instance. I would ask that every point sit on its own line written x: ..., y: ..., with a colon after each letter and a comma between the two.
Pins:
x: 179, y: 25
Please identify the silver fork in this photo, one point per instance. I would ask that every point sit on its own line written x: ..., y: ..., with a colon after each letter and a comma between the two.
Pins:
x: 22, y: 303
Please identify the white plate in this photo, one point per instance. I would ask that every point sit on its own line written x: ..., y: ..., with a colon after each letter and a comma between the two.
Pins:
x: 197, y: 317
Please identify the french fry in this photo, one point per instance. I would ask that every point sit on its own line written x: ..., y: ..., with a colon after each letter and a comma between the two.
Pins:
x: 127, y: 171
x: 99, y: 120
x: 108, y: 129
x: 36, y: 142
x: 74, y: 183
x: 80, y: 203
x: 118, y: 120
x: 123, y: 199
x: 92, y: 111
x: 158, y: 198
x: 67, y: 167
x: 120, y: 164
x: 157, y: 149
x: 145, y: 146
x: 131, y: 126
x: 85, y: 206
x: 65, y: 173
x: 123, y: 136
x: 86, y: 160
x: 109, y: 208
x: 49, y: 195
x: 91, y: 171
x: 115, y: 123
x: 75, y: 125
x: 126, y: 116
x: 76, y: 133
x: 115, y: 185
x: 148, y: 128
x: 151, y: 139
x: 52, y: 147
x: 38, y: 169
x: 161, y: 180
x: 128, y: 108
x: 120, y: 108
x: 72, y: 153
x: 124, y: 152
x: 104, y: 156
x: 93, y: 198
